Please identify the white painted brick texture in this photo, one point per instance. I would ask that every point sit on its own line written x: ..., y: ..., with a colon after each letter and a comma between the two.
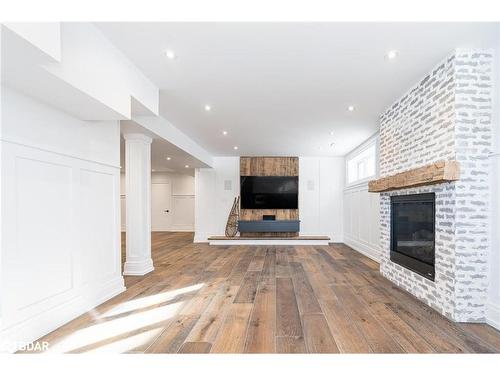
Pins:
x: 446, y: 116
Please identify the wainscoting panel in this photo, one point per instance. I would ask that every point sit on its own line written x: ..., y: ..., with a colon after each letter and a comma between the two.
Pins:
x: 183, y: 213
x: 97, y: 190
x: 60, y: 245
x: 43, y: 233
x: 362, y: 220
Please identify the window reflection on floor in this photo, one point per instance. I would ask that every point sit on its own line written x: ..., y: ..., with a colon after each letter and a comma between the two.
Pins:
x: 127, y: 326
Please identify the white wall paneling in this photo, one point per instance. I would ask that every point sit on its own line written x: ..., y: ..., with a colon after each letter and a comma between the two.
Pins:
x: 361, y: 220
x: 321, y: 180
x: 60, y: 218
x: 138, y: 204
x: 227, y: 169
x: 361, y: 211
x: 204, y: 210
x: 183, y: 209
x: 214, y: 196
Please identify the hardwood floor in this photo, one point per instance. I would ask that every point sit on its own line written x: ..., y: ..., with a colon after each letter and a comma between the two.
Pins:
x: 265, y: 299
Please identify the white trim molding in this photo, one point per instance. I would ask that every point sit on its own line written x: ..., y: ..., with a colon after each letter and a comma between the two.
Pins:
x: 493, y: 315
x: 369, y: 250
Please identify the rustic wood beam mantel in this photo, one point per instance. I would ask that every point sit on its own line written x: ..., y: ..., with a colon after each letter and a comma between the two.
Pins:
x: 435, y: 173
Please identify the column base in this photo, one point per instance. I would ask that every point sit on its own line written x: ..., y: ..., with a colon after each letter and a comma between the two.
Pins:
x: 138, y: 268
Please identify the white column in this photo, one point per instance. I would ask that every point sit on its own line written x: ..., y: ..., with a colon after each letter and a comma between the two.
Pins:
x: 138, y: 202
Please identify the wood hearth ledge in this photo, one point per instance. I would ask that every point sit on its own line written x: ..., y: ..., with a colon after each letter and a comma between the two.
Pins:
x: 435, y: 173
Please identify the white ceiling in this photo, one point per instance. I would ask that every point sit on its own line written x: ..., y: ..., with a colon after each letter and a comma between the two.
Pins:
x: 281, y: 88
x: 161, y: 150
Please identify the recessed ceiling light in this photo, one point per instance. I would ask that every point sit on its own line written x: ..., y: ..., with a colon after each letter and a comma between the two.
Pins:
x: 392, y: 54
x: 169, y: 158
x: 331, y: 133
x: 207, y: 108
x: 186, y: 166
x: 224, y: 132
x: 350, y: 108
x: 170, y: 54
x: 235, y: 147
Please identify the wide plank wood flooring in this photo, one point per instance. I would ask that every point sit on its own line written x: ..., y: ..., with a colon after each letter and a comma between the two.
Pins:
x: 265, y: 299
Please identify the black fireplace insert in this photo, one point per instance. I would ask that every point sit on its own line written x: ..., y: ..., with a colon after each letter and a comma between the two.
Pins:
x: 412, y: 232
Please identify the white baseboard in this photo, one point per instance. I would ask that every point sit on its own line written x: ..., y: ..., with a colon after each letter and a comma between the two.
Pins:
x: 337, y: 239
x: 493, y: 315
x: 138, y: 268
x: 181, y: 228
x: 38, y: 326
x: 371, y: 252
x: 200, y: 240
x: 202, y: 237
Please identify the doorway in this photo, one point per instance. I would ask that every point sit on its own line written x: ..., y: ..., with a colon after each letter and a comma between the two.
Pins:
x: 161, y: 210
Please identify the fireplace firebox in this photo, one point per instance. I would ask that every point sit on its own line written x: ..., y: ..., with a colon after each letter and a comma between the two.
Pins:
x: 412, y: 232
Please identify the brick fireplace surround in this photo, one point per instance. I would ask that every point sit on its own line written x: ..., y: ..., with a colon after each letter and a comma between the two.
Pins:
x: 446, y: 116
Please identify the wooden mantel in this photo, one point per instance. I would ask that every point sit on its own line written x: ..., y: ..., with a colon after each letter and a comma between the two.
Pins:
x: 435, y: 173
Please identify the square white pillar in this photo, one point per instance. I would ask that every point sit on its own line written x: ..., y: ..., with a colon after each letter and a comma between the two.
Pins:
x: 138, y: 202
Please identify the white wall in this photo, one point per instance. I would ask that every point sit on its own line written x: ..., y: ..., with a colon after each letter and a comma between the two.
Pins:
x: 493, y: 308
x: 60, y: 217
x: 321, y: 180
x: 320, y: 196
x: 361, y: 214
x: 215, y: 190
x: 182, y: 199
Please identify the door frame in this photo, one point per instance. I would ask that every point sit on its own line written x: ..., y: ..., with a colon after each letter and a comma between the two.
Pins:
x: 169, y: 204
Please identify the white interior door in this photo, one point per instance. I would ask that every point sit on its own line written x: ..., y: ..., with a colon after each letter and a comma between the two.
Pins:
x: 161, y: 210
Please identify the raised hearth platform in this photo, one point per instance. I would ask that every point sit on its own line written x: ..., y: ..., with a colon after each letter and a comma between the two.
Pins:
x: 298, y: 240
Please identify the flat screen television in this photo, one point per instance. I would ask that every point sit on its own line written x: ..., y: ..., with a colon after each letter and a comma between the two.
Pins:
x: 261, y: 192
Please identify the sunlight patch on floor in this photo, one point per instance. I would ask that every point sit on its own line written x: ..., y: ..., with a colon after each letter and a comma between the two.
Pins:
x: 155, y: 299
x: 128, y: 344
x: 112, y: 328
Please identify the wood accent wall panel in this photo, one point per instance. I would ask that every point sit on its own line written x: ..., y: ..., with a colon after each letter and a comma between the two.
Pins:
x: 280, y: 214
x: 269, y: 166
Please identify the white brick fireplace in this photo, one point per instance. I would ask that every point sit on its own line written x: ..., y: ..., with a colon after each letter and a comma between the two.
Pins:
x: 446, y: 116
